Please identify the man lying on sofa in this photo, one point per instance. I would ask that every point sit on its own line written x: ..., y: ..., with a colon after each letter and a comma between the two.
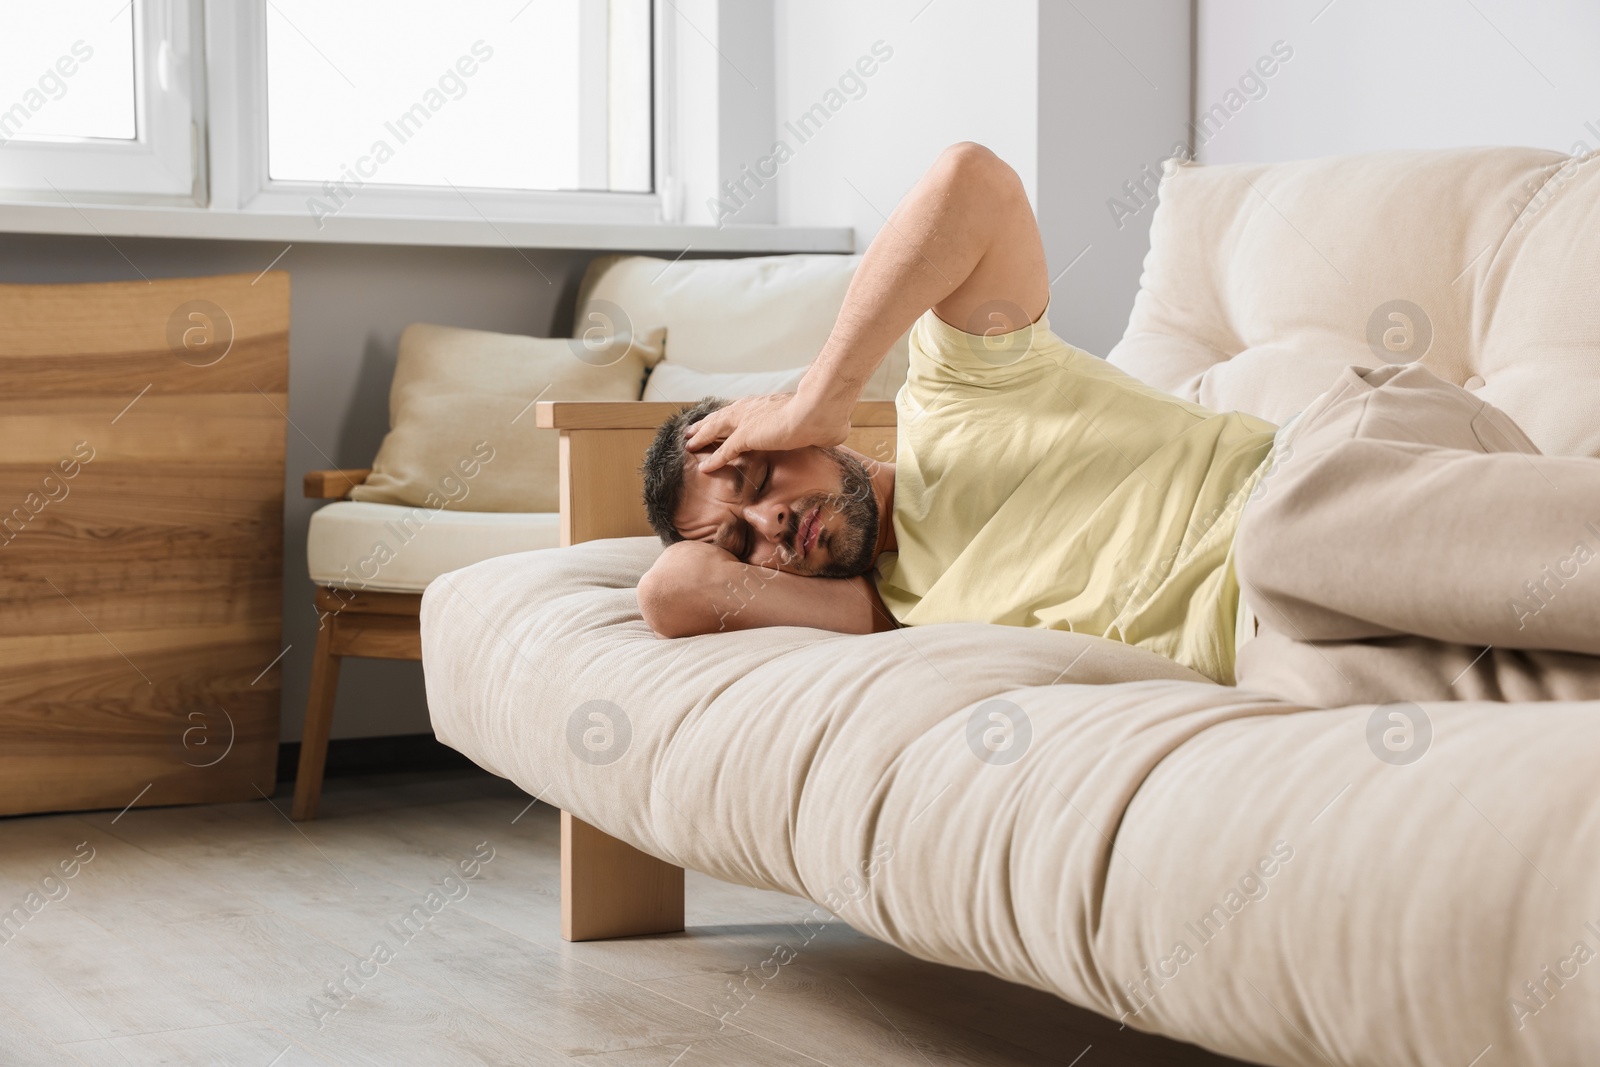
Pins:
x: 1398, y: 539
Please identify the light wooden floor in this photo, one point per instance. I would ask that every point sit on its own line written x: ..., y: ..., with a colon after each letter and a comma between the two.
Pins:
x: 204, y: 935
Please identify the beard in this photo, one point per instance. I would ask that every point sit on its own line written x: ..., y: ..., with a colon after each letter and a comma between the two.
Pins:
x: 851, y: 547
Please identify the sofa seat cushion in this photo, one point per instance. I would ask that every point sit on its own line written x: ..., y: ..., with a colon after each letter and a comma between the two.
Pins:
x: 393, y: 548
x: 1061, y: 811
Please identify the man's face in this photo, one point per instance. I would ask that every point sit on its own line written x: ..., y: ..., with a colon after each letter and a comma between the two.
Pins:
x: 808, y: 511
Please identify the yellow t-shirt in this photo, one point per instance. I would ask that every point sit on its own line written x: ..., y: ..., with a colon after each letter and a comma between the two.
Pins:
x: 1036, y: 485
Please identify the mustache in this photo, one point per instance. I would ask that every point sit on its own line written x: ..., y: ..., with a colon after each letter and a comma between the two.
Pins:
x: 797, y: 515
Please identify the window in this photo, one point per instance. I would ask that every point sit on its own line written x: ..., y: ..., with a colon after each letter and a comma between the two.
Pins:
x: 97, y: 97
x: 506, y: 95
x: 494, y: 108
x: 537, y: 110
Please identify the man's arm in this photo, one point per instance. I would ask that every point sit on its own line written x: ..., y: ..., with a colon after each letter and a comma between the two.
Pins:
x: 697, y: 588
x: 963, y: 242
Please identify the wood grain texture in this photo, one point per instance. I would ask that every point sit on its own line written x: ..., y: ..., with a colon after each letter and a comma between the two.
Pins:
x: 611, y: 889
x: 366, y: 602
x: 601, y: 415
x: 141, y: 529
x: 334, y: 484
x: 320, y: 698
x: 642, y: 415
x: 598, y: 484
x: 378, y: 636
x: 350, y: 623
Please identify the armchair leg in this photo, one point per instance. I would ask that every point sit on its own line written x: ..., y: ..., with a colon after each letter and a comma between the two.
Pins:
x: 319, y: 718
x: 611, y: 889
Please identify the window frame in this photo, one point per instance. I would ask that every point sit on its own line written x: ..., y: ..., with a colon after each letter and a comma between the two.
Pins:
x: 165, y: 162
x: 237, y: 42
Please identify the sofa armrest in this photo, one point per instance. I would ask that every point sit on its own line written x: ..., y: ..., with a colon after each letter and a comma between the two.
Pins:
x: 602, y: 445
x: 642, y: 415
x: 333, y: 485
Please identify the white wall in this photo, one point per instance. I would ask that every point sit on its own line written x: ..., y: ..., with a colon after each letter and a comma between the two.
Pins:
x: 1379, y: 74
x: 960, y: 70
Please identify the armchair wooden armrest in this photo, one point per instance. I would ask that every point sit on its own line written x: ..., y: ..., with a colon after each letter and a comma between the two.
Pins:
x: 602, y: 445
x: 335, y: 484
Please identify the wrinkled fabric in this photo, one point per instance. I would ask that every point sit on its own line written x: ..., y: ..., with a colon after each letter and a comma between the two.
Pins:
x: 1273, y: 882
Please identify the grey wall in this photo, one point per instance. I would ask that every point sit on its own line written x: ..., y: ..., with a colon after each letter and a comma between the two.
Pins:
x: 1114, y: 89
x: 349, y: 304
x: 958, y: 72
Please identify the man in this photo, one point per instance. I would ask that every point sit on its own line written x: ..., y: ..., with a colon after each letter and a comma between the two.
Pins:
x: 1394, y: 541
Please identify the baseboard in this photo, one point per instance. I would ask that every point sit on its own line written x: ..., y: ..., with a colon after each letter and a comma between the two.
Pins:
x: 376, y: 755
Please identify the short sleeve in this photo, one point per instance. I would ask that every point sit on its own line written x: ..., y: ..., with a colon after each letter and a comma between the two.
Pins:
x: 942, y: 355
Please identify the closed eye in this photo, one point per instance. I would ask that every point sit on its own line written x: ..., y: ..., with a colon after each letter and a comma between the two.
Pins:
x: 748, y: 543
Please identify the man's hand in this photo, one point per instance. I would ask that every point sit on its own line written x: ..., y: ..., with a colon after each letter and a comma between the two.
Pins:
x: 773, y: 423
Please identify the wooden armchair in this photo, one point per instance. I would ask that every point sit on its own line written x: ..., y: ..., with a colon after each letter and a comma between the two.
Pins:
x: 609, y: 888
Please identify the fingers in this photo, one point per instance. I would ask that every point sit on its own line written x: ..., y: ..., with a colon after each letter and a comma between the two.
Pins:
x: 728, y: 450
x: 724, y: 421
x: 708, y: 430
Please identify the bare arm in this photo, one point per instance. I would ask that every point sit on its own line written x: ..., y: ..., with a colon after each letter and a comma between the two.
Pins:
x: 963, y: 242
x: 697, y: 588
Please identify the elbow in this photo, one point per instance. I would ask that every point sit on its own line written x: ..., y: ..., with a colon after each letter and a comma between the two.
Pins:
x: 971, y: 167
x: 672, y: 593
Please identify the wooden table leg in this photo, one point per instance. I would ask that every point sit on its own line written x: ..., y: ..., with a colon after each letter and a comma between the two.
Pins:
x: 611, y: 889
x: 319, y: 718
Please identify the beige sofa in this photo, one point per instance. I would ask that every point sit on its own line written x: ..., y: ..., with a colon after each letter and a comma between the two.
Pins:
x: 1224, y: 867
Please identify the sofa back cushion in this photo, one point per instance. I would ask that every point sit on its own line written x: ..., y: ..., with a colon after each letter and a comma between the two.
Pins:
x: 462, y: 432
x: 1263, y: 280
x: 763, y: 313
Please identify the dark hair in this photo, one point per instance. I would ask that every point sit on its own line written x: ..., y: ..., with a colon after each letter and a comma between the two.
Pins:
x: 665, y: 463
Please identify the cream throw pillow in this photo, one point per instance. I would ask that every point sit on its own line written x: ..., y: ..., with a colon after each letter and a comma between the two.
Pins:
x: 462, y: 433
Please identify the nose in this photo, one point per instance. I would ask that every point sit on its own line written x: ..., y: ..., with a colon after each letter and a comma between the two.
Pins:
x: 770, y: 519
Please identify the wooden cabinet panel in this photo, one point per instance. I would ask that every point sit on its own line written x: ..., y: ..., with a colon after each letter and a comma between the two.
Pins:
x: 142, y: 430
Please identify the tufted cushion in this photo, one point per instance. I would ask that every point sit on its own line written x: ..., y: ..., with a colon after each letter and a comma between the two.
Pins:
x: 1263, y: 280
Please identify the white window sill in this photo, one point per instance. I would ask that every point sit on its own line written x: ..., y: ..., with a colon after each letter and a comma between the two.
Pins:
x: 210, y: 224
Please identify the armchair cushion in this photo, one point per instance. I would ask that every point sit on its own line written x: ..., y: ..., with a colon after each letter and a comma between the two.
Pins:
x: 462, y: 434
x: 396, y: 549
